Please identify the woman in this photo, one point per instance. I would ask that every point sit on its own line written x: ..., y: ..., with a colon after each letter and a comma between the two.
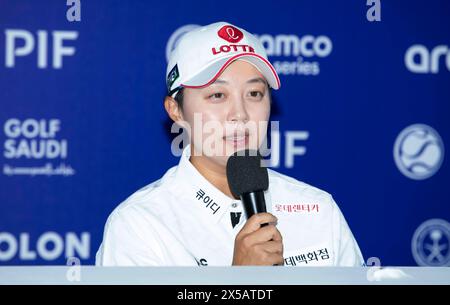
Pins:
x: 219, y: 82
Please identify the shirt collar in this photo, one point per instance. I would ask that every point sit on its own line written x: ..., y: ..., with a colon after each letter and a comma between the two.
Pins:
x: 204, y: 196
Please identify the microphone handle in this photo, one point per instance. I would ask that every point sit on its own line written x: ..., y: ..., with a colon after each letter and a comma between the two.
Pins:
x: 254, y: 202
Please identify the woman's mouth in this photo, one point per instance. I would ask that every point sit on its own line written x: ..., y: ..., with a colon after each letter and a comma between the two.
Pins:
x: 237, y: 141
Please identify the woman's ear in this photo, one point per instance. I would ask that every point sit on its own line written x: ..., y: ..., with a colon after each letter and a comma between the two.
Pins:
x: 173, y: 109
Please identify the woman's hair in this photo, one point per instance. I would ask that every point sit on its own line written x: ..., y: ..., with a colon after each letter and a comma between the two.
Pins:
x: 179, y: 98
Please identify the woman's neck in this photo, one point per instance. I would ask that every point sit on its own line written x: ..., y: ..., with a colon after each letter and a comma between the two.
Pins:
x: 212, y: 172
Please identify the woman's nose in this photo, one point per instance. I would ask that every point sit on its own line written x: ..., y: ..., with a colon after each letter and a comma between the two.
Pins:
x: 238, y: 111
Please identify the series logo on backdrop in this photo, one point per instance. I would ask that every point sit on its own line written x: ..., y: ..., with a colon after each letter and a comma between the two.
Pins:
x: 419, y: 59
x: 34, y: 147
x: 295, y: 55
x: 418, y: 151
x: 430, y: 244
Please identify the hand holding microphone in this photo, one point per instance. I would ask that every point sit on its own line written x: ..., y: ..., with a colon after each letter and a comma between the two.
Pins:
x: 259, y: 242
x: 256, y: 245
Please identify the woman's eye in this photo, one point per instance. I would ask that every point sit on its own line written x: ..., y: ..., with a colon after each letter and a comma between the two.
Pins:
x: 256, y: 94
x: 217, y: 95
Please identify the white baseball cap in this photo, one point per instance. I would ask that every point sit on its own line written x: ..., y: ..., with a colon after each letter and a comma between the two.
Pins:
x: 202, y: 54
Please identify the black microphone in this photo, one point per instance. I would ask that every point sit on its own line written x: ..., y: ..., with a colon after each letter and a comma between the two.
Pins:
x: 248, y: 180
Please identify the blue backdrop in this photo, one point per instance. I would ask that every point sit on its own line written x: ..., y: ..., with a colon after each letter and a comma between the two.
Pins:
x: 83, y: 124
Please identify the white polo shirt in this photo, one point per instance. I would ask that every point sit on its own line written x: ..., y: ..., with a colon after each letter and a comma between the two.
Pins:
x: 183, y: 220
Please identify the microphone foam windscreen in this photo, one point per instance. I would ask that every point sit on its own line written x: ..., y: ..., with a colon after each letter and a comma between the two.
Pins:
x: 245, y: 173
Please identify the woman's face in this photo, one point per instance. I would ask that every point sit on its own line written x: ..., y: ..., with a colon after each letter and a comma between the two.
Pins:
x: 229, y: 115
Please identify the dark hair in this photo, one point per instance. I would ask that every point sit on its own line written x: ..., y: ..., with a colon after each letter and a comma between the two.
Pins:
x: 179, y: 98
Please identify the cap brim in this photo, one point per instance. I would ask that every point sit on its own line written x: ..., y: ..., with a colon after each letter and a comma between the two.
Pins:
x: 211, y: 72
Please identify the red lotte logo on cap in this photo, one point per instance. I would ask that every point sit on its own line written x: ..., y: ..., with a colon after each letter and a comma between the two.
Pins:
x: 230, y: 34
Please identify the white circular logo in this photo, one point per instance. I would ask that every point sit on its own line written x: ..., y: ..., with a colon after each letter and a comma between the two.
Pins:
x: 418, y: 151
x: 175, y: 37
x: 431, y: 243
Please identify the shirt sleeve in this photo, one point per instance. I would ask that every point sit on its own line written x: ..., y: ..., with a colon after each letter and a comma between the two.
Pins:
x: 346, y: 249
x: 123, y: 244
